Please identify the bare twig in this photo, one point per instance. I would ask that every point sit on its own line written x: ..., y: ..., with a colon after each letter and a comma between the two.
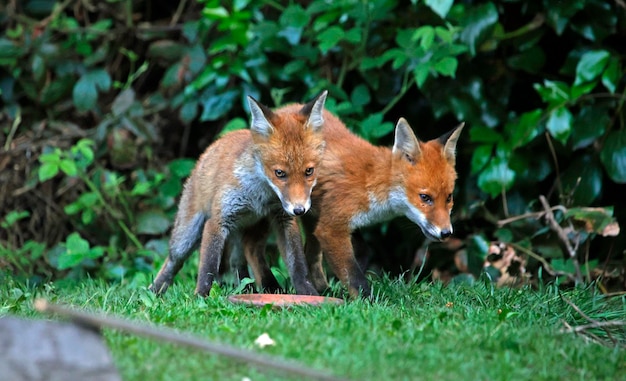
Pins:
x: 179, y: 11
x: 556, y: 164
x: 562, y: 236
x: 103, y: 321
x: 593, y: 323
x: 524, y: 216
x: 600, y: 324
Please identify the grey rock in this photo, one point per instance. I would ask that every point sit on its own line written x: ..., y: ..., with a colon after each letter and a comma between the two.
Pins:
x: 38, y: 350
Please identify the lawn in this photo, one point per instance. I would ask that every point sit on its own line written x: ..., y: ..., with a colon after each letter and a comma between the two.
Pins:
x: 410, y: 331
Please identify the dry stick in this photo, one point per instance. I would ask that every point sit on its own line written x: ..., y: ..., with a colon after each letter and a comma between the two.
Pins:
x: 561, y: 233
x: 524, y: 216
x: 100, y: 321
x: 594, y: 323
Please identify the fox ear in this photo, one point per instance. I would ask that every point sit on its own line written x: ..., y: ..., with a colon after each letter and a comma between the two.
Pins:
x: 405, y: 141
x: 315, y: 111
x: 449, y: 140
x: 260, y: 118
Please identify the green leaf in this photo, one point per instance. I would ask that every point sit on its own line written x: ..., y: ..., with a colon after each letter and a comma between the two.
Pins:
x: 329, y: 38
x: 47, y: 171
x: 292, y: 21
x: 447, y: 66
x: 360, y: 96
x: 9, y: 50
x: 482, y: 134
x: 189, y: 111
x: 76, y: 250
x: 559, y: 12
x: 478, y: 24
x: 480, y: 157
x: 560, y: 124
x: 420, y: 73
x: 123, y: 102
x: 152, y: 222
x: 53, y: 157
x: 233, y: 125
x: 581, y: 89
x: 583, y: 180
x: 553, y: 92
x: 530, y: 60
x: 12, y: 217
x: 524, y: 129
x: 181, y: 168
x: 87, y: 216
x: 141, y: 189
x: 83, y: 152
x: 166, y: 50
x: 440, y: 7
x: 56, y: 90
x: 38, y: 67
x: 426, y: 36
x: 354, y: 35
x: 215, y: 13
x: 599, y: 20
x: 85, y: 93
x: 68, y: 167
x: 374, y: 127
x: 589, y: 125
x: 613, y: 156
x: 591, y: 66
x: 216, y: 104
x: 497, y: 177
x: 612, y: 75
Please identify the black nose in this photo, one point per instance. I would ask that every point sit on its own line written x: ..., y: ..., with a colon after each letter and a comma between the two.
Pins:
x: 299, y: 210
x: 445, y: 233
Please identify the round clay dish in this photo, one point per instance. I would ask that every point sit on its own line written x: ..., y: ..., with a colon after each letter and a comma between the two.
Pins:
x: 283, y: 300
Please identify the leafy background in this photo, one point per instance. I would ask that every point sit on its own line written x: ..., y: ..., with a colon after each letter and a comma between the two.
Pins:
x: 106, y: 105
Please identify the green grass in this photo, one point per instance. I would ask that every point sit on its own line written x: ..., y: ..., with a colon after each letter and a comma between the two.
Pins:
x: 410, y: 332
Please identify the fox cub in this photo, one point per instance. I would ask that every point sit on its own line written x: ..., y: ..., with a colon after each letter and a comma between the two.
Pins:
x: 264, y: 174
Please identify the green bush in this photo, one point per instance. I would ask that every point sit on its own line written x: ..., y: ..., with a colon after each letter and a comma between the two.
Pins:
x: 540, y: 85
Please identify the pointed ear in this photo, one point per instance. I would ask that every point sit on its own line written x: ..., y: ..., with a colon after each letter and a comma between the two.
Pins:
x: 260, y: 118
x: 448, y: 141
x: 315, y: 111
x: 405, y: 142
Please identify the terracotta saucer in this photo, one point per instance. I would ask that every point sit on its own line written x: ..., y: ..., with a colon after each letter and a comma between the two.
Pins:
x: 282, y: 300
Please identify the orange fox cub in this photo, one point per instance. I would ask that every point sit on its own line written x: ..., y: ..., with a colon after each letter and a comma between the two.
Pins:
x: 360, y: 184
x: 264, y: 173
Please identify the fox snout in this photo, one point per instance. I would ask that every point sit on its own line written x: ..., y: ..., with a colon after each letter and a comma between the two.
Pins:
x: 296, y: 209
x: 434, y: 232
x: 299, y: 210
x: 446, y: 233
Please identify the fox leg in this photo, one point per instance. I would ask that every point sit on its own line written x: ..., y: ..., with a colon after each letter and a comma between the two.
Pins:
x: 336, y: 244
x: 236, y: 259
x: 254, y: 242
x: 211, y: 249
x: 290, y: 245
x: 361, y: 250
x: 185, y: 237
x: 313, y: 254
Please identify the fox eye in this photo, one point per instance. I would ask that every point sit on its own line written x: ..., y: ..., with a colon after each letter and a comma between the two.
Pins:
x: 426, y: 198
x: 280, y: 173
x: 449, y: 199
x: 309, y: 171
